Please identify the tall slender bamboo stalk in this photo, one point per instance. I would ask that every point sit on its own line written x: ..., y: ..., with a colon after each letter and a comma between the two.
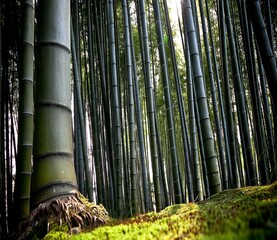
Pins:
x: 150, y: 106
x: 208, y: 141
x: 131, y: 108
x: 267, y: 55
x: 140, y: 128
x: 214, y: 100
x: 240, y: 97
x: 26, y: 115
x: 94, y: 112
x: 115, y: 110
x: 181, y: 106
x: 168, y: 103
x: 81, y: 116
x: 230, y: 122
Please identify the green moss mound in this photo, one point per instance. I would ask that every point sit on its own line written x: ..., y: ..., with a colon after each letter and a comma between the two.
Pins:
x: 246, y: 213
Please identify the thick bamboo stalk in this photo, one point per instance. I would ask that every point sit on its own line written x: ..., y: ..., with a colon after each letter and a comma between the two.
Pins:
x: 53, y: 170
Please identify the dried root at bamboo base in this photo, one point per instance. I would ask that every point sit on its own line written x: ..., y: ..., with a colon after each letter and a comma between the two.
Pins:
x: 67, y: 212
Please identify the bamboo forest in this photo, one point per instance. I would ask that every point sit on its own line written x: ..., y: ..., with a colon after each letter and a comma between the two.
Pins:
x: 117, y: 108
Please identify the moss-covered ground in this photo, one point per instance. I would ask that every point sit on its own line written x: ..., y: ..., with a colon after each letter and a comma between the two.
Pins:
x: 245, y: 213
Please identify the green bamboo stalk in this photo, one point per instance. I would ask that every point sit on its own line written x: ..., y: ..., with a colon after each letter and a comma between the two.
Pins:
x: 218, y: 127
x: 2, y: 139
x: 94, y: 113
x: 163, y: 181
x: 180, y: 104
x: 78, y: 149
x: 267, y: 55
x: 150, y: 106
x: 187, y: 149
x: 77, y: 33
x: 259, y: 134
x: 53, y: 166
x: 269, y: 24
x: 131, y: 112
x: 230, y: 122
x: 115, y: 109
x: 78, y: 152
x: 272, y: 152
x: 3, y: 61
x: 203, y: 193
x: 168, y: 102
x: 166, y: 198
x: 268, y: 122
x: 25, y: 115
x: 240, y: 97
x: 220, y: 98
x: 100, y: 41
x: 2, y: 201
x: 208, y: 141
x: 192, y: 124
x: 81, y: 117
x: 140, y: 128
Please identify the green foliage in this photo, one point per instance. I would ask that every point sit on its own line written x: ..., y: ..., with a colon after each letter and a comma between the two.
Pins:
x: 246, y: 213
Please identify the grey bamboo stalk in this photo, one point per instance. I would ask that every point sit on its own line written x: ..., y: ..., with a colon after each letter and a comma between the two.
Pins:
x: 168, y: 102
x: 180, y: 105
x: 77, y: 33
x: 164, y: 190
x: 193, y: 124
x: 1, y: 106
x: 163, y: 178
x: 259, y: 134
x: 131, y: 112
x: 267, y: 55
x: 201, y: 160
x: 53, y: 166
x: 2, y: 160
x: 269, y: 24
x: 77, y: 83
x: 187, y: 130
x: 268, y: 122
x: 115, y: 110
x: 240, y: 98
x: 220, y: 99
x: 126, y: 156
x: 230, y: 122
x: 102, y: 73
x: 25, y: 115
x: 208, y: 141
x: 79, y: 160
x: 94, y: 113
x: 139, y: 124
x: 150, y: 107
x: 214, y: 99
x: 99, y: 14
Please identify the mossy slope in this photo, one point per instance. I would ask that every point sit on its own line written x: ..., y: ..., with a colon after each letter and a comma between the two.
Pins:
x: 246, y: 213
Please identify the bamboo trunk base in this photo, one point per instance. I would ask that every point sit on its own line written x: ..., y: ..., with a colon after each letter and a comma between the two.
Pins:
x: 73, y: 213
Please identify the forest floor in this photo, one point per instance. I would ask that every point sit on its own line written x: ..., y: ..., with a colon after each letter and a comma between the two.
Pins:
x: 245, y: 213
